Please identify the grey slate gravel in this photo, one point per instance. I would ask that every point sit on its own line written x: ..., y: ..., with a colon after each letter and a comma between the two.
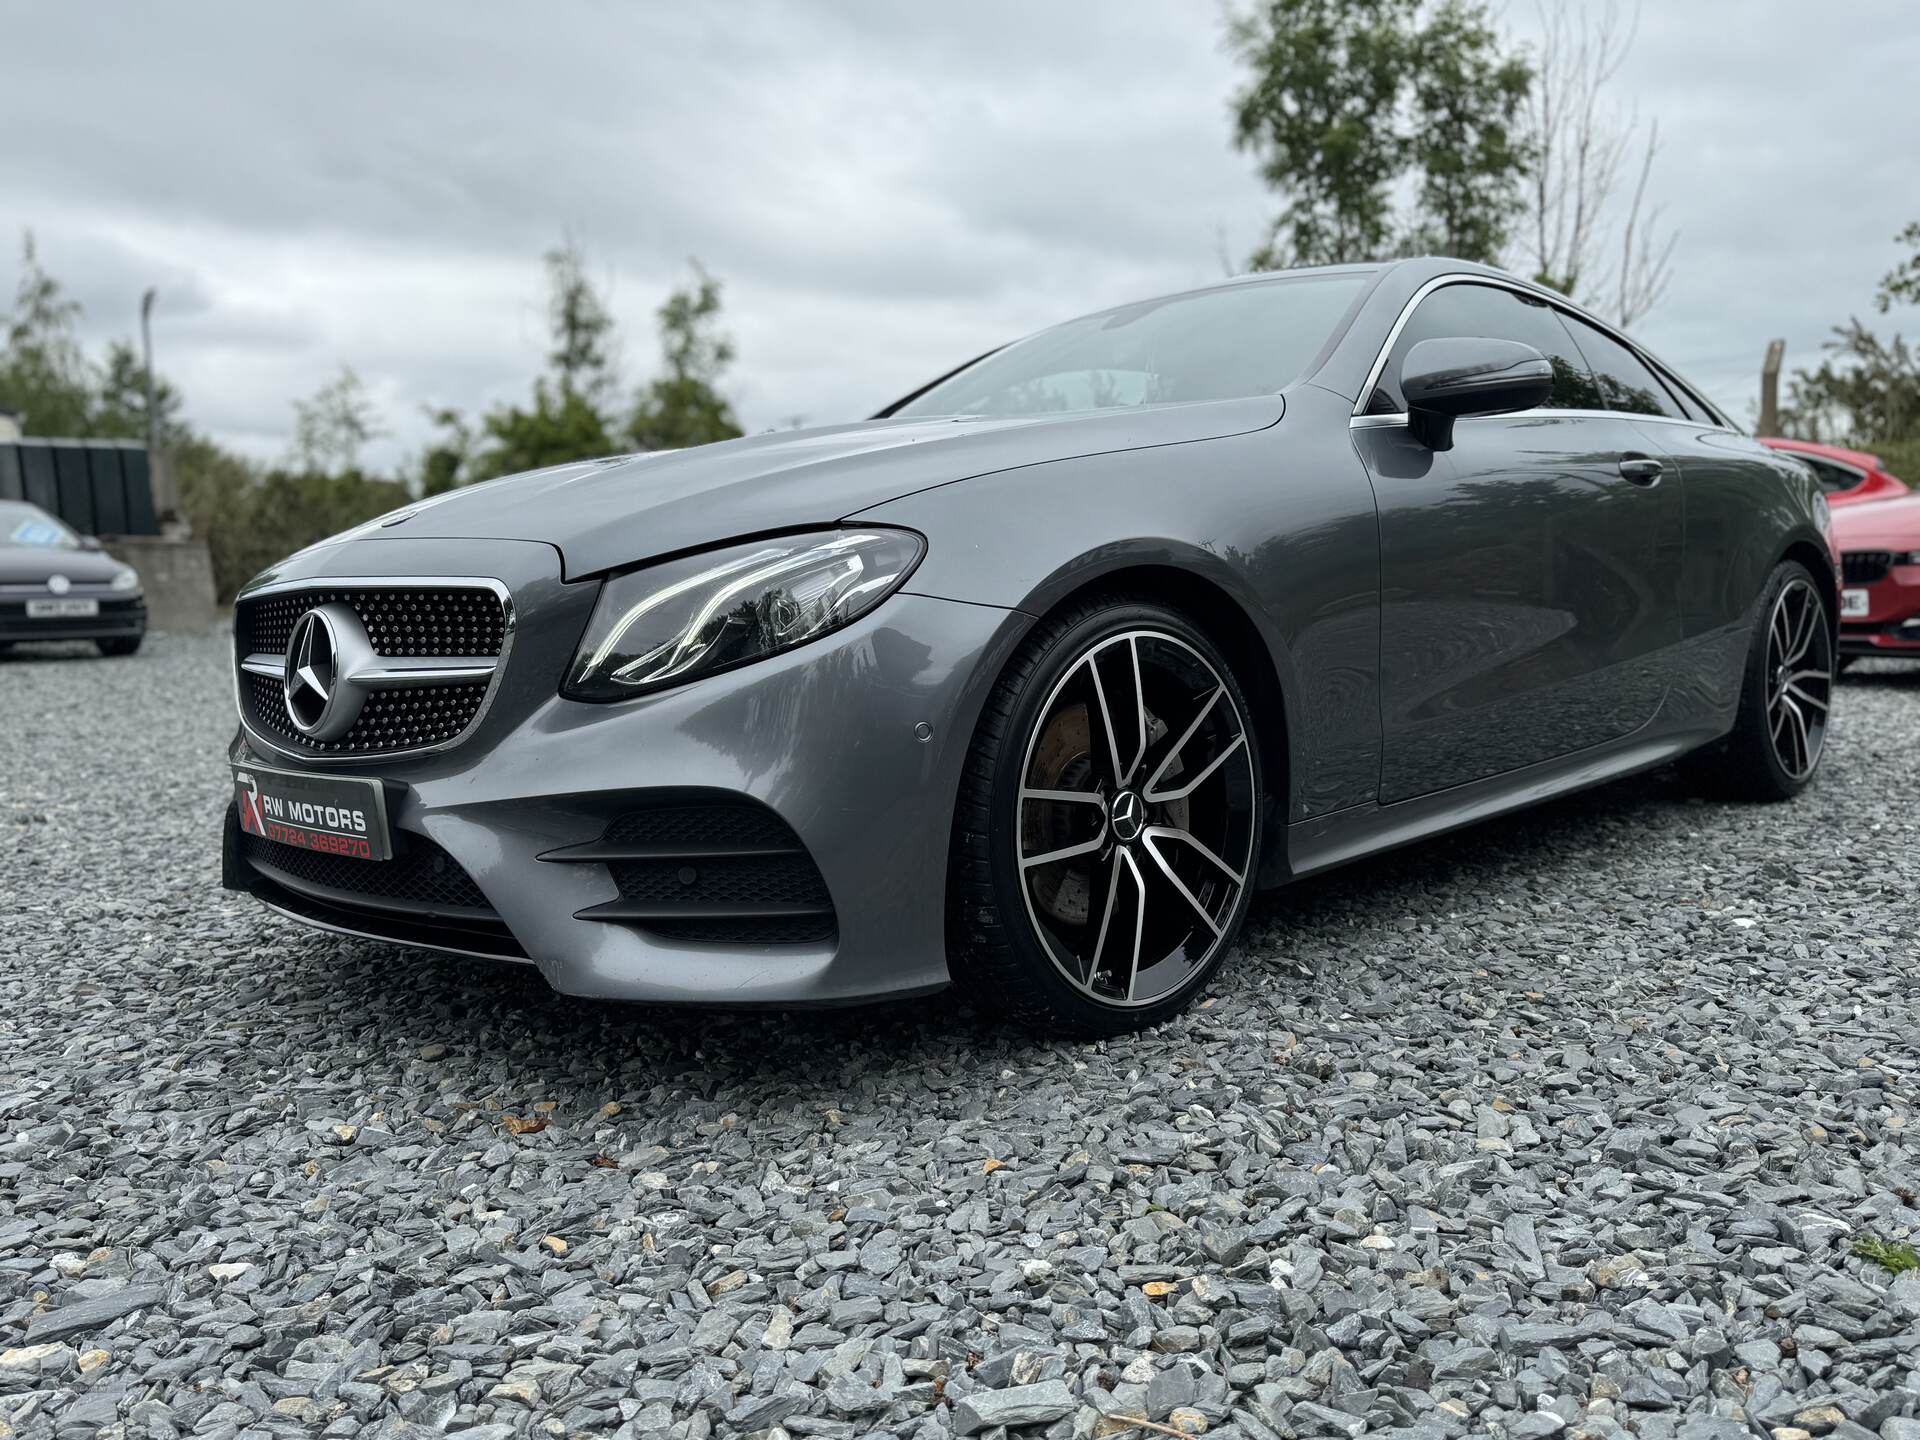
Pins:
x: 1560, y: 1126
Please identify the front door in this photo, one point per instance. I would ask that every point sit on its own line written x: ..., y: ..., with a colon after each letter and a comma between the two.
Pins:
x: 1529, y: 575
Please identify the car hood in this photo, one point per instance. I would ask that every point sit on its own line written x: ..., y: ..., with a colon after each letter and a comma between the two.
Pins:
x: 1879, y: 524
x: 604, y: 514
x: 35, y: 564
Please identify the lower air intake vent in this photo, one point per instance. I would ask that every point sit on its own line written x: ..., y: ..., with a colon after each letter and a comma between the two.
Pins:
x: 724, y: 873
x: 421, y: 876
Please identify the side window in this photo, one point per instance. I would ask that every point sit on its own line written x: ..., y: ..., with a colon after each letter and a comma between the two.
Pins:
x: 1622, y: 376
x: 1456, y: 311
x: 1833, y: 478
x: 1691, y: 405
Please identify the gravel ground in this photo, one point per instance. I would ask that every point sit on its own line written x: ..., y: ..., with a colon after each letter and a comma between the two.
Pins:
x: 1569, y: 1124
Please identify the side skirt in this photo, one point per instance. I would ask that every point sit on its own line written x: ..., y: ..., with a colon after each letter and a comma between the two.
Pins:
x: 1347, y: 835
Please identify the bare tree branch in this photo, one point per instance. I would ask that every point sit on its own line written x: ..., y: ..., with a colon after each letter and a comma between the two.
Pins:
x: 1580, y: 143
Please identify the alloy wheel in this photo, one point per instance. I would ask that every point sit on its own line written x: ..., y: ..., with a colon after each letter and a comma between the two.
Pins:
x: 1799, y: 678
x: 1137, y: 817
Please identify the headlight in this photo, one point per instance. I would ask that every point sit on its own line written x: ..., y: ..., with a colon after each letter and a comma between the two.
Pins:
x: 670, y: 623
x: 126, y: 578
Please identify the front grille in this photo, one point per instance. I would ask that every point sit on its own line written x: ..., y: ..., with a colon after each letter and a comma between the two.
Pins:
x: 425, y: 623
x: 390, y: 720
x: 722, y: 873
x: 420, y: 875
x: 442, y: 622
x: 1865, y: 567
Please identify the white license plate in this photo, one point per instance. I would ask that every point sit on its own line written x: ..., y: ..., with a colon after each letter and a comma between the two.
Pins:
x: 1853, y: 603
x: 62, y: 609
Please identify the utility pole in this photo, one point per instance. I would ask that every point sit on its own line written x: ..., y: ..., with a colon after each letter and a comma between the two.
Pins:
x: 159, y: 472
x: 1770, y: 387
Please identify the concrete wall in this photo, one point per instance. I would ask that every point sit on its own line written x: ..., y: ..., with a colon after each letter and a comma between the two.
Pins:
x: 177, y: 576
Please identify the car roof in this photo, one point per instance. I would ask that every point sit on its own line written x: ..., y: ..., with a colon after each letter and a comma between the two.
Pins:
x: 1859, y: 459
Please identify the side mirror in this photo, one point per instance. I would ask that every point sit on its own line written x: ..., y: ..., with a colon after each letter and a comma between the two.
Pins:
x: 91, y: 542
x: 1445, y: 379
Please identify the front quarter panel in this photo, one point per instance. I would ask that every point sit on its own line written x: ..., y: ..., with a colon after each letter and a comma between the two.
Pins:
x: 1280, y: 521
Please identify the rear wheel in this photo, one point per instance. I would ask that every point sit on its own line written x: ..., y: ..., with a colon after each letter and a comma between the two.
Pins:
x: 1108, y: 824
x: 1781, y: 731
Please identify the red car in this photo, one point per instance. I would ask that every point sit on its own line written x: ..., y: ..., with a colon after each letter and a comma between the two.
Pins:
x: 1848, y: 476
x: 1879, y: 577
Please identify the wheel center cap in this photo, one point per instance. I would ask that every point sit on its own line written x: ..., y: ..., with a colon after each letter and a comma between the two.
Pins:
x: 1128, y: 814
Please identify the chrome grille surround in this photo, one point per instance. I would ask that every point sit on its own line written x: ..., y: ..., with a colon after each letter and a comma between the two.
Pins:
x: 455, y: 691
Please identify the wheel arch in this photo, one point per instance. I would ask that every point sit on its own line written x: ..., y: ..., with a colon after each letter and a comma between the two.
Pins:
x: 1820, y: 563
x: 1231, y: 626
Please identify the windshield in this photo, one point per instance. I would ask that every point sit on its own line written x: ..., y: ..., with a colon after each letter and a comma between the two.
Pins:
x: 24, y: 524
x: 1213, y: 345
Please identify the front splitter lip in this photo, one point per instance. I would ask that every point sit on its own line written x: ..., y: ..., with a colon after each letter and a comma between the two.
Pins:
x: 826, y: 736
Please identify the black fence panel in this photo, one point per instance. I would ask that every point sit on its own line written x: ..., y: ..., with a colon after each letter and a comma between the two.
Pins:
x: 98, y: 487
x: 109, y: 490
x: 37, y: 463
x: 76, y: 489
x: 138, y: 479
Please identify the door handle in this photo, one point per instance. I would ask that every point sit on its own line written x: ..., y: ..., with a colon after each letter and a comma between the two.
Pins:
x: 1641, y: 469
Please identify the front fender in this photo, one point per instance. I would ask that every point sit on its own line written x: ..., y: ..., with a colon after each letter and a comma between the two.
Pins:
x: 1280, y: 526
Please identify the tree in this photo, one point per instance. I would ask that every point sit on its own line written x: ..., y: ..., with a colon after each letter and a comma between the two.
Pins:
x: 1464, y: 143
x: 444, y: 464
x: 561, y: 426
x: 120, y: 407
x: 1901, y: 285
x: 44, y: 375
x: 1867, y: 392
x: 580, y: 323
x: 331, y: 426
x: 684, y: 406
x: 1350, y: 101
x: 1577, y: 239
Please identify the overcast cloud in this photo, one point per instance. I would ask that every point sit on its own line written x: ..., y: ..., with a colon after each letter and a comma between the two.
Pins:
x: 884, y: 189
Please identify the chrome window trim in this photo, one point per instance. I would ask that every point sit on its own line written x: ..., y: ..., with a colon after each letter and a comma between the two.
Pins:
x: 242, y: 664
x: 1664, y: 372
x: 1370, y: 422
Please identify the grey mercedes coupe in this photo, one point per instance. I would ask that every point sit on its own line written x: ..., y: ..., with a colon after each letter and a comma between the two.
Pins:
x: 1030, y: 681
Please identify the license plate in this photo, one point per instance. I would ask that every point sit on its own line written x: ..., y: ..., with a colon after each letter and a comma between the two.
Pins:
x: 328, y: 813
x: 1853, y: 603
x: 62, y: 609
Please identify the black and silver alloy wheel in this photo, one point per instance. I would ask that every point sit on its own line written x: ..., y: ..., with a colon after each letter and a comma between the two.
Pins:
x: 1121, y: 781
x: 1780, y: 731
x: 1799, y: 678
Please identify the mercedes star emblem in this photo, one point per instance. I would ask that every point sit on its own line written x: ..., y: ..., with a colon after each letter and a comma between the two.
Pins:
x: 327, y: 648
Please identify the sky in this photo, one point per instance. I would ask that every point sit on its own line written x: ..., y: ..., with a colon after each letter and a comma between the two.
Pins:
x: 884, y: 190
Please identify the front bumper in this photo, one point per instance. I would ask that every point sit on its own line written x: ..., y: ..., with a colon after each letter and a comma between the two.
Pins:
x: 120, y: 617
x: 1891, y: 625
x: 827, y: 737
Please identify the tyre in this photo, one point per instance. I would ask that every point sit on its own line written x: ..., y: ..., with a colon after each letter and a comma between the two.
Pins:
x: 1777, y: 740
x: 1107, y: 831
x: 120, y: 644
